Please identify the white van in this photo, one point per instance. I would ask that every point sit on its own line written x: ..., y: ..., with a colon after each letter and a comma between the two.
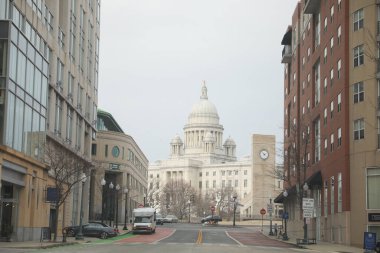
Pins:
x: 144, y: 220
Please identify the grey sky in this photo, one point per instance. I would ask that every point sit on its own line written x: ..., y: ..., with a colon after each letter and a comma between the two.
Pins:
x: 154, y: 55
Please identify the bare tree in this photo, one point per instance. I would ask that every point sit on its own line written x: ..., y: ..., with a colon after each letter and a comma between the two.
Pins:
x: 174, y: 198
x: 222, y: 200
x: 65, y: 168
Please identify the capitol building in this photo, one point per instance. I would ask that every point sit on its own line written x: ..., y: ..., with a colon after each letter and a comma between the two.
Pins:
x: 208, y: 162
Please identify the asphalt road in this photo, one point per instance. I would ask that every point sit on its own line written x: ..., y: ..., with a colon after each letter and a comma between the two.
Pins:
x: 178, y: 238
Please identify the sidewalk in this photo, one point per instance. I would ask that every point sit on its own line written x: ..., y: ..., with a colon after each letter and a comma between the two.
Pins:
x: 319, y: 247
x: 59, y: 243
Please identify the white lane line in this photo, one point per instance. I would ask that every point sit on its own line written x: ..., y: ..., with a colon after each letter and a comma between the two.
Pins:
x: 234, y: 239
x: 155, y: 242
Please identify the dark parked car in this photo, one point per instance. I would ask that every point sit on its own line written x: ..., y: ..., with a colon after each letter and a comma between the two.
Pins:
x: 212, y: 219
x: 96, y: 229
x: 159, y: 219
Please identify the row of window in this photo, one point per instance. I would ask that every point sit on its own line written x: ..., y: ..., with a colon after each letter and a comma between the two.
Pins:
x: 229, y: 184
x: 223, y: 173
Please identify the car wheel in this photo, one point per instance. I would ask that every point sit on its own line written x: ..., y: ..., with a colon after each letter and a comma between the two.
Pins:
x: 103, y: 235
x: 71, y: 233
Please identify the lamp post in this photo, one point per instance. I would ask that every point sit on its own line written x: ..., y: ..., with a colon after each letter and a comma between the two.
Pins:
x: 117, y: 188
x: 189, y: 202
x: 109, y: 215
x: 285, y: 217
x: 234, y: 197
x: 79, y: 236
x: 103, y: 183
x: 305, y: 188
x: 125, y: 211
x: 270, y: 209
x: 144, y: 199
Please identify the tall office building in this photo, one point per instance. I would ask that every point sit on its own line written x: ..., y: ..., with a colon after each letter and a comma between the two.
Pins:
x: 331, y: 124
x: 49, y: 53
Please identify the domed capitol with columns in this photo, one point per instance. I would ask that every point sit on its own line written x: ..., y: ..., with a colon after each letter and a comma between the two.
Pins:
x: 209, y: 164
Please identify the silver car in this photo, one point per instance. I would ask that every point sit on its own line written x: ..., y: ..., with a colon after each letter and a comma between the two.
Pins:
x: 171, y: 218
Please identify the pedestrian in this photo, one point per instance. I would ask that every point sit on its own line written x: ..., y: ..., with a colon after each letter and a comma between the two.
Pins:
x: 275, y: 229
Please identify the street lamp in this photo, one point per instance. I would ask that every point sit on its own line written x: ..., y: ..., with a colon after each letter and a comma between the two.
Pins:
x: 144, y: 199
x: 110, y: 209
x: 125, y: 211
x: 234, y: 197
x: 79, y: 236
x: 270, y: 209
x: 117, y: 188
x: 285, y: 217
x: 305, y: 188
x: 189, y: 202
x: 103, y: 183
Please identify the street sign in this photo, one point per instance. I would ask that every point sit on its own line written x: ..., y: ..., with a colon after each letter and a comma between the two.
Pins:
x: 140, y: 206
x: 307, y: 203
x: 270, y: 208
x: 285, y: 215
x: 262, y: 211
x: 212, y: 208
x: 308, y: 213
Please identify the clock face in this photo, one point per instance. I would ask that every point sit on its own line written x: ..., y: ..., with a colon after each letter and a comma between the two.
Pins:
x: 264, y: 154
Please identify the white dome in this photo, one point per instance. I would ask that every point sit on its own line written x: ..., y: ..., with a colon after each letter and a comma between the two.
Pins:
x: 176, y: 140
x: 203, y: 112
x: 229, y: 142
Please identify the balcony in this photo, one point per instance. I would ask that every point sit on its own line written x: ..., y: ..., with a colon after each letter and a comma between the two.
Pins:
x: 311, y: 6
x: 287, y: 54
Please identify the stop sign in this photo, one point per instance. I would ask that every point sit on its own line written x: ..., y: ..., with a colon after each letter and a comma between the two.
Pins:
x: 262, y: 211
x: 140, y: 206
x: 212, y: 208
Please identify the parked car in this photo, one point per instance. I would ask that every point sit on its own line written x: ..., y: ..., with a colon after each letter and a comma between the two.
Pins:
x: 211, y: 219
x: 159, y: 219
x: 96, y: 229
x: 171, y: 218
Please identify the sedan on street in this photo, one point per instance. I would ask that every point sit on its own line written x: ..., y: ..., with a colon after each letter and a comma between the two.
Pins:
x: 95, y: 229
x: 212, y: 219
x: 171, y: 218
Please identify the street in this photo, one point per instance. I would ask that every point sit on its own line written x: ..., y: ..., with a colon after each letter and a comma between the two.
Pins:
x: 180, y: 237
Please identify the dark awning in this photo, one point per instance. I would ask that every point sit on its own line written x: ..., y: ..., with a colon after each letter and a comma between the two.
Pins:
x: 315, y: 179
x: 280, y: 197
x: 287, y: 39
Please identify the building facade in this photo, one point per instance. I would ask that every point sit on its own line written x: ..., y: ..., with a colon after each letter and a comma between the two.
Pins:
x: 49, y: 52
x: 119, y: 162
x: 331, y: 122
x: 209, y: 164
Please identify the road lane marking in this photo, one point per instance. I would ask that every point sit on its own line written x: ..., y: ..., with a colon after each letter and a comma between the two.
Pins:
x: 199, y: 239
x: 155, y: 242
x: 234, y: 239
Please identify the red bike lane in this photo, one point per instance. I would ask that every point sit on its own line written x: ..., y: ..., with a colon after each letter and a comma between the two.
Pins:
x: 160, y: 234
x: 257, y: 239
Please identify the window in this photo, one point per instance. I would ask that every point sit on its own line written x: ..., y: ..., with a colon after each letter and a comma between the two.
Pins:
x: 339, y: 102
x: 200, y: 174
x: 214, y: 173
x: 359, y: 129
x: 93, y: 149
x: 325, y: 117
x: 58, y: 117
x: 358, y: 56
x: 325, y: 208
x: 340, y: 198
x: 339, y: 67
x: 223, y: 183
x: 200, y: 184
x: 325, y: 86
x: 317, y: 140
x: 358, y: 92
x: 339, y: 34
x: 245, y: 183
x: 332, y: 14
x: 325, y: 55
x: 317, y: 30
x: 236, y: 183
x: 331, y: 142
x: 339, y: 5
x: 223, y: 172
x: 236, y: 172
x: 373, y: 188
x: 331, y: 77
x: 358, y: 19
x: 245, y: 172
x: 325, y: 27
x: 214, y: 184
x: 229, y: 183
x: 325, y: 146
x: 206, y: 184
x: 339, y: 137
x: 229, y: 172
x: 332, y: 195
x: 317, y: 84
x: 331, y: 45
x: 332, y: 109
x: 106, y: 150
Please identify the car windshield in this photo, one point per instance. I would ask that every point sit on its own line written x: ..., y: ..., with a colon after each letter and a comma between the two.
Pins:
x: 142, y: 219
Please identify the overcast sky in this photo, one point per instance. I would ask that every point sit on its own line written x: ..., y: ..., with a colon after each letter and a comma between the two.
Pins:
x: 154, y: 55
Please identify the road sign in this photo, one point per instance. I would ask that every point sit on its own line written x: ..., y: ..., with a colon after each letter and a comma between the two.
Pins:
x: 212, y: 208
x: 308, y: 213
x: 140, y: 206
x: 285, y: 215
x: 307, y: 203
x: 262, y: 211
x: 270, y: 208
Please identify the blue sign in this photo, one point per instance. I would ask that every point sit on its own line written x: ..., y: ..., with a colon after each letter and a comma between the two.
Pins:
x: 369, y: 240
x: 285, y: 215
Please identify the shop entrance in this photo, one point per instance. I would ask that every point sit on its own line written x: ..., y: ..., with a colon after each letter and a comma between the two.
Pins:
x: 7, y: 210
